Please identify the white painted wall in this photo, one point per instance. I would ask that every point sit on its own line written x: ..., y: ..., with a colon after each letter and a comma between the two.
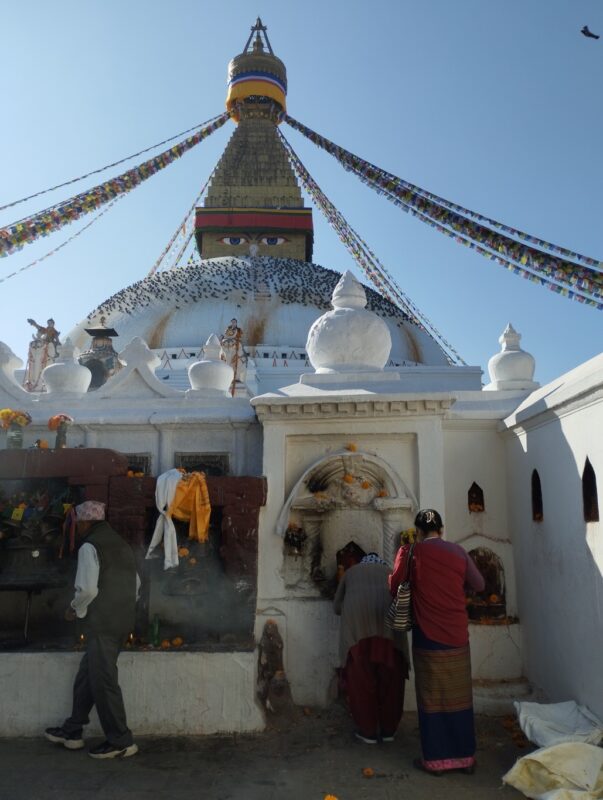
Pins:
x: 474, y: 450
x: 164, y: 693
x: 559, y: 561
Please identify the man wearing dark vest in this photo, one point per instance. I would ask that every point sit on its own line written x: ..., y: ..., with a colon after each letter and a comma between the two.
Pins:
x: 105, y: 597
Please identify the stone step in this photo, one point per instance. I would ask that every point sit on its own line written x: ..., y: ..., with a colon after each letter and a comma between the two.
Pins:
x: 495, y: 698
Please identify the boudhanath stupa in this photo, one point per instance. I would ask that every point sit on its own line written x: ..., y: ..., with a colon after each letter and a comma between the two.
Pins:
x: 324, y: 414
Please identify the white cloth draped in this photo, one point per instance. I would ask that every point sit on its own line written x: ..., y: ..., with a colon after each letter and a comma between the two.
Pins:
x: 164, y: 527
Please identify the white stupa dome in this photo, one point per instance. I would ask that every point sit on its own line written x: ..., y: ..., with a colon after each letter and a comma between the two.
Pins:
x: 275, y: 301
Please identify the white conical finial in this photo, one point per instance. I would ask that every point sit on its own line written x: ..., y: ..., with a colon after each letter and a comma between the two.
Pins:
x: 211, y: 350
x: 349, y: 293
x: 512, y: 369
x: 509, y: 338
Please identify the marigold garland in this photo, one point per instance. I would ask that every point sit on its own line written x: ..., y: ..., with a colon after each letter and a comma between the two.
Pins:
x: 9, y: 416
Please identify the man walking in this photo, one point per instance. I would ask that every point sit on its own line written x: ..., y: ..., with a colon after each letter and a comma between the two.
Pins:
x: 105, y: 596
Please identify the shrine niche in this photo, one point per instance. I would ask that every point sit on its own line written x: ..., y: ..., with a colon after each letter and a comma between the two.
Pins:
x: 346, y: 499
x: 475, y: 499
x: 488, y: 607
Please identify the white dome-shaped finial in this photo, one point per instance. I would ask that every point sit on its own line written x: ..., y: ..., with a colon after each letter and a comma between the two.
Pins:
x: 512, y: 369
x: 349, y: 338
x: 211, y: 375
x: 66, y: 375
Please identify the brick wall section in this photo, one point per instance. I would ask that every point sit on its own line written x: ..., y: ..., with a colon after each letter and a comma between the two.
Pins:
x: 240, y: 500
x: 131, y: 504
x: 101, y: 475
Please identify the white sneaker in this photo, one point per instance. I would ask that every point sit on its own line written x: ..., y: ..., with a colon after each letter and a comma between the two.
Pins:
x: 106, y: 750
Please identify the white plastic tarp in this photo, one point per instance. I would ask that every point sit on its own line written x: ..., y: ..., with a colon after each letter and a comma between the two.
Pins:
x: 568, y: 771
x: 554, y: 723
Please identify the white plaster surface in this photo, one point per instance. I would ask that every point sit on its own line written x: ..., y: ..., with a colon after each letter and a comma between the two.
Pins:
x: 495, y: 652
x: 348, y: 338
x: 475, y: 451
x: 164, y: 693
x: 559, y: 561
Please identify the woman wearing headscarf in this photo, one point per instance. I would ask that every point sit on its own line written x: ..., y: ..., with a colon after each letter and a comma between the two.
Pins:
x: 375, y: 660
x: 439, y: 574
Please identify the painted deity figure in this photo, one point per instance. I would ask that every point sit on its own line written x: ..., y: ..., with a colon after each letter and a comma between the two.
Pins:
x: 43, y: 350
x: 46, y: 333
x: 233, y: 352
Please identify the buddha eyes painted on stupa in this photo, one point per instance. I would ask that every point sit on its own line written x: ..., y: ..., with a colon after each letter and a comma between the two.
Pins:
x: 271, y: 241
x: 233, y: 241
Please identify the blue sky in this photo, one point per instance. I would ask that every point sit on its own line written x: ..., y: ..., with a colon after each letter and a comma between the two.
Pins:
x: 493, y: 105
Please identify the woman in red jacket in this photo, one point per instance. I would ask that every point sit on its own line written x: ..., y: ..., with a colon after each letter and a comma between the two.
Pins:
x: 439, y: 573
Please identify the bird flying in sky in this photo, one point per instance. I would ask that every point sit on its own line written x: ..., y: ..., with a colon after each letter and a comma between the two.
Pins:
x: 585, y: 31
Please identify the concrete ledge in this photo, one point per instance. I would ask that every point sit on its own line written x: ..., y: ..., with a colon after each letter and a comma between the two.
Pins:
x: 165, y: 693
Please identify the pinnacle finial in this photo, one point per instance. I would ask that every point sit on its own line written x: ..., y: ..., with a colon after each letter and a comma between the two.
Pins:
x: 261, y: 38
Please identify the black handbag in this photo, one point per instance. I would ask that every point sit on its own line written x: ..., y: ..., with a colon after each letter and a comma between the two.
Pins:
x: 399, y: 614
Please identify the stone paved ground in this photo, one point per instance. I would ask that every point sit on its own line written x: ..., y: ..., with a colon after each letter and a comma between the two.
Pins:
x: 312, y: 755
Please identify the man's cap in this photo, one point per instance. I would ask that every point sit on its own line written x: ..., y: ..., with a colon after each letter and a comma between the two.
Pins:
x: 90, y: 510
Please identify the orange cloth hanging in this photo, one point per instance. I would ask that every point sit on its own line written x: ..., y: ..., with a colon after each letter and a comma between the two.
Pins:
x: 191, y: 504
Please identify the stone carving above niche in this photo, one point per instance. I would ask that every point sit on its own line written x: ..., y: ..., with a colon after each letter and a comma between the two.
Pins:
x: 345, y: 497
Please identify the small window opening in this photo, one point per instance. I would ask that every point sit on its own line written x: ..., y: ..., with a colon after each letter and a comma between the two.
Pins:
x: 537, y: 510
x: 475, y: 498
x: 589, y: 493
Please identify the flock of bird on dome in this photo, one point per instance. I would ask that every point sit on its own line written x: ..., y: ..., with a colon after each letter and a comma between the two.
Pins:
x: 570, y: 274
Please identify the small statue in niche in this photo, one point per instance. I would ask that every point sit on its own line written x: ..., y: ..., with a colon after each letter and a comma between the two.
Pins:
x: 294, y: 539
x: 273, y: 687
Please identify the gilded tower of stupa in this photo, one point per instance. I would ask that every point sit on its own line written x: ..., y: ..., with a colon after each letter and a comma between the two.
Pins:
x: 254, y: 204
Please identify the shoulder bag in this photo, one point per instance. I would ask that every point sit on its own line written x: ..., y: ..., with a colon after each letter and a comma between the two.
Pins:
x: 399, y: 614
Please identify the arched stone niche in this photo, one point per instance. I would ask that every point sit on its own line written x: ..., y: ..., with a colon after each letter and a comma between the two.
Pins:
x: 345, y: 497
x: 489, y: 606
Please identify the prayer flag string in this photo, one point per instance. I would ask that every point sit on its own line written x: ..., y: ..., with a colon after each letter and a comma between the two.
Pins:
x: 365, y: 258
x: 15, y: 236
x: 577, y: 281
x: 107, y: 166
x: 63, y: 244
x: 180, y: 231
x: 517, y: 269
